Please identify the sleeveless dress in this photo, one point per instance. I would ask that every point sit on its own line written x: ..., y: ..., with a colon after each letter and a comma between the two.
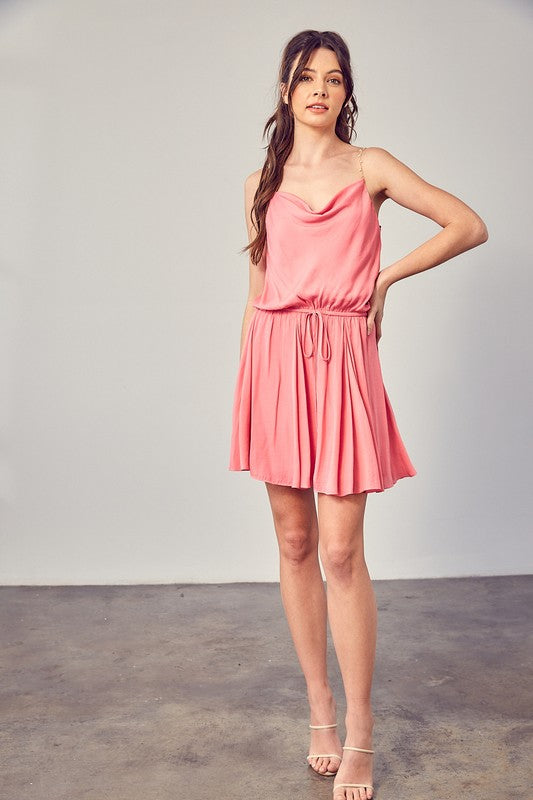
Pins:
x: 310, y: 408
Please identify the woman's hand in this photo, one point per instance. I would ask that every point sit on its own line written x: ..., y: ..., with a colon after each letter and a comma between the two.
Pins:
x: 377, y: 303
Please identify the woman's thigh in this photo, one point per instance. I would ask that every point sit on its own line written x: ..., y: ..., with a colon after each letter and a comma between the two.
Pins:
x: 295, y: 518
x: 341, y: 523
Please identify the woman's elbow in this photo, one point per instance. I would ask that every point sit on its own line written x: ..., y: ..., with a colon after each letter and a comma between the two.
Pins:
x: 483, y: 232
x: 478, y: 230
x: 474, y: 231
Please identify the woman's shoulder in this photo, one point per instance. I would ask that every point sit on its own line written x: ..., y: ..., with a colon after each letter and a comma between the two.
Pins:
x: 373, y: 152
x: 375, y: 162
x: 251, y: 181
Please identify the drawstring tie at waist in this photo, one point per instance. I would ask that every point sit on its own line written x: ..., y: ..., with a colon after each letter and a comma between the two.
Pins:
x: 322, y: 328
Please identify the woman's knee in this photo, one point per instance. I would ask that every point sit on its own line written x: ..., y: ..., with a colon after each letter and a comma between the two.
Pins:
x: 340, y: 560
x: 296, y: 543
x: 295, y: 522
x: 342, y: 554
x: 341, y: 534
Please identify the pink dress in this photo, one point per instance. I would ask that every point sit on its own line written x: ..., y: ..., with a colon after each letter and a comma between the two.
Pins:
x: 310, y: 408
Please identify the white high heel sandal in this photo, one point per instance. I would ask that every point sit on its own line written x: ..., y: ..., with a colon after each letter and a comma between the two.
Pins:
x: 323, y: 755
x: 355, y: 785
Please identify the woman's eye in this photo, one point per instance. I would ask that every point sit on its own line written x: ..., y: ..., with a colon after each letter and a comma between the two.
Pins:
x: 308, y: 77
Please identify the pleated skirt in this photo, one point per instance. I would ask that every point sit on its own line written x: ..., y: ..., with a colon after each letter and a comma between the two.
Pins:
x: 310, y: 409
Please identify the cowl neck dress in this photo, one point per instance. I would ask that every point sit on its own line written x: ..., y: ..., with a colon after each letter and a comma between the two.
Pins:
x: 310, y: 409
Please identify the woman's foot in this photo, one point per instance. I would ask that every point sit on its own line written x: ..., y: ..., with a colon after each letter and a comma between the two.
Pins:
x: 356, y: 767
x: 326, y: 740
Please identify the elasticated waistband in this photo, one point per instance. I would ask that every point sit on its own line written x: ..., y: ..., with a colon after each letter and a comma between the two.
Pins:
x: 322, y: 329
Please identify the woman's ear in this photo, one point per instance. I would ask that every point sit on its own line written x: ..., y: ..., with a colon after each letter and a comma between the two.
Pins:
x: 283, y: 90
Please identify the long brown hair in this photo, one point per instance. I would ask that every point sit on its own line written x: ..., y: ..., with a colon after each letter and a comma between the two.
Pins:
x: 282, y: 122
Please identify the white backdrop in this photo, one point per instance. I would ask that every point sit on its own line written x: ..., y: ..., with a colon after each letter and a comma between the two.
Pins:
x: 127, y: 131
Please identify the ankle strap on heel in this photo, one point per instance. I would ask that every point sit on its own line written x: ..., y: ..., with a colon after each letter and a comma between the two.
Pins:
x: 333, y: 725
x: 361, y: 749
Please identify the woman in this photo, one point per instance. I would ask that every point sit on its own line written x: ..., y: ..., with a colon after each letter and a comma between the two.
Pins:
x: 310, y: 410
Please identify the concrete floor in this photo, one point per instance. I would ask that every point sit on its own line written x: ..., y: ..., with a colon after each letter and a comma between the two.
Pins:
x: 193, y: 692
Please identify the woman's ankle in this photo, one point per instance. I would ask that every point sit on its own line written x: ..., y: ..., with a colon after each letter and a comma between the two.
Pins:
x: 359, y: 716
x: 317, y: 692
x: 322, y: 703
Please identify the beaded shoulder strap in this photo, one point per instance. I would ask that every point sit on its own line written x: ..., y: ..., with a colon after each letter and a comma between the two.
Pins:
x: 361, y: 151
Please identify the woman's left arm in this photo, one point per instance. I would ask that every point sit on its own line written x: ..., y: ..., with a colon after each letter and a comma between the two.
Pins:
x: 462, y: 228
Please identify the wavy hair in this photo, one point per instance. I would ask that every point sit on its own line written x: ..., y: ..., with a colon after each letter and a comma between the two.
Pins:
x: 281, y: 138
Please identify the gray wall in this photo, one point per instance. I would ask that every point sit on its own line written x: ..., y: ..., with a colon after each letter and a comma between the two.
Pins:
x: 127, y: 132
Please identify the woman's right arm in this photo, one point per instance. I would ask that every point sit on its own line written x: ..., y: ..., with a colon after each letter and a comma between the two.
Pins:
x: 256, y: 271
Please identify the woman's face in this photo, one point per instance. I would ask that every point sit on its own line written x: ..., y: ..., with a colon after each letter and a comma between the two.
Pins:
x: 320, y: 82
